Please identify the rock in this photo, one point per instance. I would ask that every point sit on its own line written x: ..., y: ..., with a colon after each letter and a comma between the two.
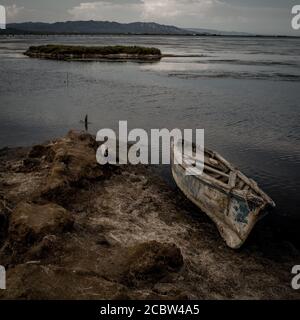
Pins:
x: 74, y: 160
x: 35, y: 281
x: 44, y: 248
x: 152, y: 261
x: 40, y: 151
x: 31, y: 222
x: 30, y: 164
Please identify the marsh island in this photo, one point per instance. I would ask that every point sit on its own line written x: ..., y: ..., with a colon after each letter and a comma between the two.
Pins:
x: 62, y: 52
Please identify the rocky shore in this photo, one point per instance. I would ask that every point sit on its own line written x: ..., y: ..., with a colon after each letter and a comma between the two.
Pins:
x: 72, y: 229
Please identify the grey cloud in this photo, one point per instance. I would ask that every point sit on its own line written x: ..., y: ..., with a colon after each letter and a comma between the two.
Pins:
x: 259, y: 16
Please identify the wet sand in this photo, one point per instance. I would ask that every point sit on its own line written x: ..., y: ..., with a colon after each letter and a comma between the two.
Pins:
x: 71, y: 229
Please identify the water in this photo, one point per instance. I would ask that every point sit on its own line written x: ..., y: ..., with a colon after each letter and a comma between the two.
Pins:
x: 244, y: 92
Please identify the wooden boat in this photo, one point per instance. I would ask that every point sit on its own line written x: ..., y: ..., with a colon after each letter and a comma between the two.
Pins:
x: 234, y: 202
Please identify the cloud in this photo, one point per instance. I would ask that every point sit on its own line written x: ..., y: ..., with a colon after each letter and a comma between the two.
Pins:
x: 14, y: 11
x: 156, y: 9
x: 105, y: 10
x: 216, y: 14
x: 179, y: 12
x: 141, y: 9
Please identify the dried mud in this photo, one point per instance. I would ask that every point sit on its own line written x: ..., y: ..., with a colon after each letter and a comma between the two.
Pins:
x: 71, y: 229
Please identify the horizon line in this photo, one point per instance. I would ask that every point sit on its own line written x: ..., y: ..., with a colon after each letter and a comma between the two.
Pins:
x: 243, y: 33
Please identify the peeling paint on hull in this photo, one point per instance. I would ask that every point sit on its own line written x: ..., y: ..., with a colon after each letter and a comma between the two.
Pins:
x: 235, y: 212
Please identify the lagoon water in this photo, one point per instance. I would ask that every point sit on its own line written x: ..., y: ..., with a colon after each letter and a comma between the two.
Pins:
x: 245, y: 93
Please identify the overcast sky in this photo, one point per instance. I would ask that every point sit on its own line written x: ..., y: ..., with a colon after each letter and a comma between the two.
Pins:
x: 256, y: 16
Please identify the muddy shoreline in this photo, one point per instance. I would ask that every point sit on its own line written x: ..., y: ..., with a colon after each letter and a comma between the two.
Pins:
x: 71, y: 229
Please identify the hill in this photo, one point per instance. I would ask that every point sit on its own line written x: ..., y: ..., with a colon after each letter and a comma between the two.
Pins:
x: 95, y: 27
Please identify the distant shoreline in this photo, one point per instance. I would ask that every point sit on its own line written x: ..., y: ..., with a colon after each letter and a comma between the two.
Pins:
x: 13, y: 33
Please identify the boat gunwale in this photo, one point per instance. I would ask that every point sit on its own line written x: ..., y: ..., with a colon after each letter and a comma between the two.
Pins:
x: 236, y: 193
x: 226, y: 188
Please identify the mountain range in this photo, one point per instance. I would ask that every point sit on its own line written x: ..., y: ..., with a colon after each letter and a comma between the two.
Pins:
x: 95, y: 27
x: 106, y: 27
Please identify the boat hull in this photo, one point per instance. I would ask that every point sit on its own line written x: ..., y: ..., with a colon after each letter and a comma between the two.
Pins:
x: 233, y: 215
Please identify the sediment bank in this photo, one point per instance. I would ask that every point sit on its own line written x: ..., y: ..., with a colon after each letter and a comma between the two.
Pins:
x: 72, y: 229
x: 73, y: 53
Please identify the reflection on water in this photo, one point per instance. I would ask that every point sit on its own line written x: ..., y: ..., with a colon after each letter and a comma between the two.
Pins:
x: 244, y: 92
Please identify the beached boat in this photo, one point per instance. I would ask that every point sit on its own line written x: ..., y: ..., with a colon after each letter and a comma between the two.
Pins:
x: 234, y: 202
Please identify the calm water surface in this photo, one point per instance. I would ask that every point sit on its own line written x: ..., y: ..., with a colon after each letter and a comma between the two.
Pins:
x: 245, y: 93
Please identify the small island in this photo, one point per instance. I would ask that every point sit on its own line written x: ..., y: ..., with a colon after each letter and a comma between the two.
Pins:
x: 92, y: 53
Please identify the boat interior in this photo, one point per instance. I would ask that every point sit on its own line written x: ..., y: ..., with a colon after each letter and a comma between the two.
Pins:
x: 222, y: 172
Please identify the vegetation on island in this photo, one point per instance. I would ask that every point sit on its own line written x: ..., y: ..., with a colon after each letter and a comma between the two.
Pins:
x: 51, y: 50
